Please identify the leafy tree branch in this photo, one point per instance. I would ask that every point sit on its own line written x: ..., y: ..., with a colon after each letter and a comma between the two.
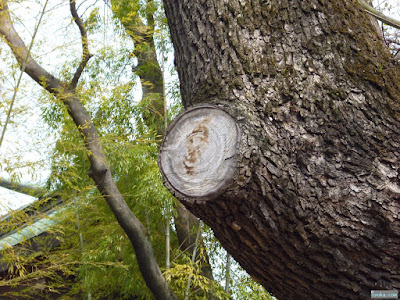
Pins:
x: 99, y: 168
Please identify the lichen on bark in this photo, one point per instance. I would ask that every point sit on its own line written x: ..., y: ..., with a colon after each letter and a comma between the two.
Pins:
x: 314, y: 211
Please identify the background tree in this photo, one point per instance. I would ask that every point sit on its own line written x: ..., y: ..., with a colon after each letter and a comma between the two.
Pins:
x: 139, y: 22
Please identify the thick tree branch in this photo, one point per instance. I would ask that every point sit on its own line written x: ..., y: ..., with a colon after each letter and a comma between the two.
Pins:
x: 23, y: 65
x: 149, y: 16
x: 380, y: 16
x: 22, y: 188
x: 21, y: 53
x: 147, y: 68
x: 99, y: 169
x: 85, y: 45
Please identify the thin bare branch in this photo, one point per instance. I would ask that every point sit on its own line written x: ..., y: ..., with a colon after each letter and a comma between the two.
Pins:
x: 150, y: 17
x: 85, y: 45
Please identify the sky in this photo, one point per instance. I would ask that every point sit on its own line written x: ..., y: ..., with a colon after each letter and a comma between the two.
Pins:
x: 28, y: 140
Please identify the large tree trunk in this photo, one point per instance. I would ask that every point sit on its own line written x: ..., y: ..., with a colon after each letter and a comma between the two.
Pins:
x: 309, y: 197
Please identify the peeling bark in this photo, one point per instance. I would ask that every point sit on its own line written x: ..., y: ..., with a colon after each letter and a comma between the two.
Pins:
x: 313, y: 211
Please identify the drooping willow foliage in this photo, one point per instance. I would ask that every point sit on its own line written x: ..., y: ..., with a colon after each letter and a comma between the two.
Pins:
x: 86, y: 254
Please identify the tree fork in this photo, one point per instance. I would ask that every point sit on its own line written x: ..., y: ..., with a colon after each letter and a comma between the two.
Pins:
x: 100, y: 171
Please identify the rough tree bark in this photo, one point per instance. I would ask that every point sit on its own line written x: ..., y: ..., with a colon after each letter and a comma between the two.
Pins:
x: 312, y: 210
x: 99, y: 169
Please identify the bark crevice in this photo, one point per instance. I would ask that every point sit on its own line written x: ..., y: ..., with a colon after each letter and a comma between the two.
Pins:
x: 314, y: 211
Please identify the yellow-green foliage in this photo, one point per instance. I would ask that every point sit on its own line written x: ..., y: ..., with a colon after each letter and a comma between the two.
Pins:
x: 94, y: 256
x: 200, y: 287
